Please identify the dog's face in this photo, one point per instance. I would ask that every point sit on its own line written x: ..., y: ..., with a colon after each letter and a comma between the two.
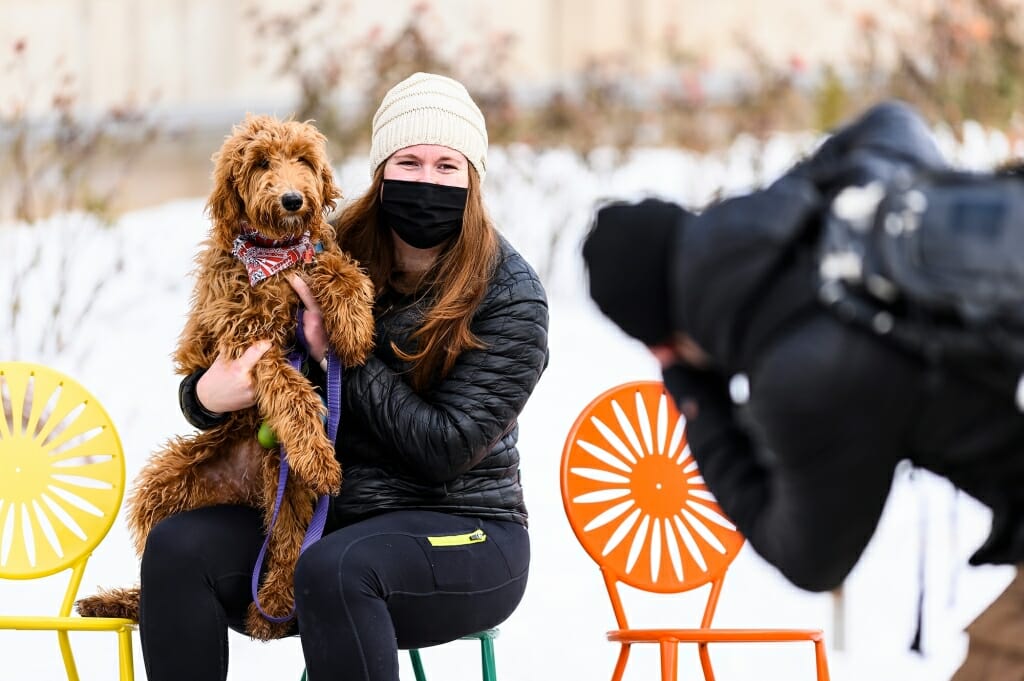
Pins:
x: 275, y: 175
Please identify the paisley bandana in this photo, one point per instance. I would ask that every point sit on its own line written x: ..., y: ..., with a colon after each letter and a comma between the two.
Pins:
x: 263, y: 257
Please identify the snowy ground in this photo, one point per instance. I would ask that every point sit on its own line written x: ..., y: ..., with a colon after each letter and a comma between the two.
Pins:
x: 136, y: 272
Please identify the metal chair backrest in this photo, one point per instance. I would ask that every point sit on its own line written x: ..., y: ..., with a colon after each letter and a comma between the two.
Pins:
x: 636, y: 501
x: 62, y: 473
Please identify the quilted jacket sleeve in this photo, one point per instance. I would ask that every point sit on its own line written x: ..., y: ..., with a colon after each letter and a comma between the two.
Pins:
x: 193, y: 410
x: 440, y: 435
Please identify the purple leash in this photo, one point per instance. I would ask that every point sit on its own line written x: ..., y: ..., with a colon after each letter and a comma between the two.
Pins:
x: 316, y: 524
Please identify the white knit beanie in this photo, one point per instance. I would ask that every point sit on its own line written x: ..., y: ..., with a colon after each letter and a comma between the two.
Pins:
x: 429, y: 109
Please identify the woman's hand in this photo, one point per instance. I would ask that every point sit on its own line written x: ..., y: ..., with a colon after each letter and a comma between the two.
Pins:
x: 227, y: 385
x: 312, y: 318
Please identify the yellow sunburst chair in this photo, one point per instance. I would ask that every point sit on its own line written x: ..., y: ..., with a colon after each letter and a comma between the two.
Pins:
x: 62, y: 480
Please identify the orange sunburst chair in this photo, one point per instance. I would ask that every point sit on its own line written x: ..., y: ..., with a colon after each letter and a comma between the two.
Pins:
x: 639, y: 507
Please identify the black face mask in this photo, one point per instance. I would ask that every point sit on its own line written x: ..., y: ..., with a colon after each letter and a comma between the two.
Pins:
x: 423, y: 214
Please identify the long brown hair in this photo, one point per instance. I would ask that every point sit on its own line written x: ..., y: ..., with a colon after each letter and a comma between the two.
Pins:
x: 456, y: 283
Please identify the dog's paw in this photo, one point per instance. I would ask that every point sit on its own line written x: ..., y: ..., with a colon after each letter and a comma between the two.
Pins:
x: 317, y: 467
x: 121, y: 603
x: 346, y: 296
x: 263, y: 629
x: 356, y: 346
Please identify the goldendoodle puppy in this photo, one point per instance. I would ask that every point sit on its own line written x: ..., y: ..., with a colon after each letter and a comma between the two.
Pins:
x: 272, y: 189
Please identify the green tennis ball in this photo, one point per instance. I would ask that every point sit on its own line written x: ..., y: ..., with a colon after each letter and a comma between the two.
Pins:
x: 266, y: 436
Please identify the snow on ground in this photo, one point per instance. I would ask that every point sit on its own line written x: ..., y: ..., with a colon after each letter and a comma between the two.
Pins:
x: 124, y: 292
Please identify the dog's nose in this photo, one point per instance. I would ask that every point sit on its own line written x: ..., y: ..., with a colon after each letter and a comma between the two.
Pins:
x: 292, y: 201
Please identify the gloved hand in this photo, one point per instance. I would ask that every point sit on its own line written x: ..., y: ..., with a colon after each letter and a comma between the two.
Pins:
x: 698, y: 392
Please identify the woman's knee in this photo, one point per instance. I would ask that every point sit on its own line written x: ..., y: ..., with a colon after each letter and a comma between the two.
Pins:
x: 315, y: 572
x: 175, y: 540
x: 196, y: 537
x: 336, y: 566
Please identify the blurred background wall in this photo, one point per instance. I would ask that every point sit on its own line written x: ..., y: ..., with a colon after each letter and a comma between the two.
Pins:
x: 109, y: 105
x: 201, y: 55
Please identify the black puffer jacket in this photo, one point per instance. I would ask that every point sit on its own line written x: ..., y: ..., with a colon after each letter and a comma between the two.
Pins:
x: 452, y: 449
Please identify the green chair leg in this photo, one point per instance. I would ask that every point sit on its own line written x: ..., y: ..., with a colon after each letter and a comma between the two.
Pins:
x: 417, y: 665
x: 489, y: 666
x: 490, y: 671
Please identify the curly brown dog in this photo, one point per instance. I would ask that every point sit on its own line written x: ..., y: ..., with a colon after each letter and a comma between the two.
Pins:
x: 272, y: 183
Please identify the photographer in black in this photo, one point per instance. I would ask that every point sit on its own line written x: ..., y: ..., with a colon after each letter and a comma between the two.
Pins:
x: 841, y: 388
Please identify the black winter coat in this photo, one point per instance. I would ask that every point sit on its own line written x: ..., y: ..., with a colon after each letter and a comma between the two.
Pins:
x: 805, y: 467
x: 452, y: 449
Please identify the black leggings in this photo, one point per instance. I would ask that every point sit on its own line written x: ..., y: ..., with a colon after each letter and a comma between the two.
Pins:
x: 362, y: 592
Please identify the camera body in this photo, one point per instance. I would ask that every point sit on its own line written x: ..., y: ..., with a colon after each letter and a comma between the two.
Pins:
x: 933, y: 260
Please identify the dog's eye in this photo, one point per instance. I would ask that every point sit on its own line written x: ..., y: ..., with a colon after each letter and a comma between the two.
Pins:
x: 263, y: 163
x: 305, y: 159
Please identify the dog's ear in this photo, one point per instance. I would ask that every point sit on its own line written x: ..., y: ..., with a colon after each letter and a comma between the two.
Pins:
x: 331, y: 191
x: 225, y: 205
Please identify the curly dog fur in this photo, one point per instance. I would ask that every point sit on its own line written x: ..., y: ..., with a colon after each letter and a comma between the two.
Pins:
x: 258, y: 163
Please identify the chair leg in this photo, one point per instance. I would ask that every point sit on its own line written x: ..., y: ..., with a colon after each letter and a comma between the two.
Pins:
x: 490, y: 669
x: 668, y: 660
x: 65, y: 652
x: 620, y: 666
x: 124, y: 654
x: 705, y: 661
x: 820, y: 662
x: 417, y: 665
